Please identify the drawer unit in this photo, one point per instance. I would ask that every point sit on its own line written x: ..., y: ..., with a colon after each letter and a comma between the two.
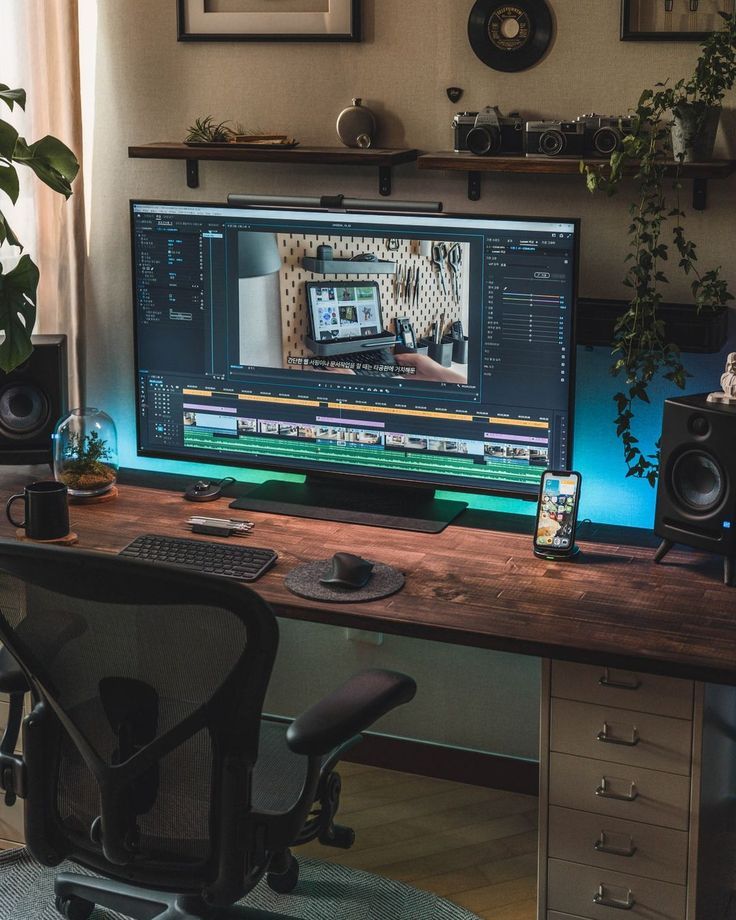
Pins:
x: 604, y: 895
x: 665, y: 696
x: 620, y: 791
x: 11, y: 819
x: 622, y: 846
x: 621, y: 736
x: 11, y: 823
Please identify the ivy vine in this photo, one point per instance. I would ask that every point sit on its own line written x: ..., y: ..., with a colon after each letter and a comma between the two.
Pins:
x: 640, y: 347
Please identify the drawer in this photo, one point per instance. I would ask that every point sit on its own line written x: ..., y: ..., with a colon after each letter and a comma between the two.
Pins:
x: 621, y: 846
x: 4, y: 707
x: 664, y: 696
x: 11, y: 822
x: 658, y: 798
x: 554, y: 915
x: 636, y: 738
x: 572, y: 889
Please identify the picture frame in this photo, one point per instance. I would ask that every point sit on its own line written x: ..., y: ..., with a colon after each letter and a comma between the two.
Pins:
x: 318, y: 21
x: 671, y: 20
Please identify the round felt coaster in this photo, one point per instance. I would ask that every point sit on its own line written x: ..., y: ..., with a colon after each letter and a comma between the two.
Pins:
x: 304, y: 581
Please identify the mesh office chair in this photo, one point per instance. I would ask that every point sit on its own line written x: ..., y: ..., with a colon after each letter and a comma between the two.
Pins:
x: 146, y: 757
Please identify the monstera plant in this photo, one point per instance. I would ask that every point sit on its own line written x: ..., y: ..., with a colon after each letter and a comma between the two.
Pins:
x: 56, y: 166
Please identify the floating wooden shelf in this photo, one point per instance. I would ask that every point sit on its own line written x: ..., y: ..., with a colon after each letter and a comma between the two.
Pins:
x: 475, y: 166
x: 383, y: 158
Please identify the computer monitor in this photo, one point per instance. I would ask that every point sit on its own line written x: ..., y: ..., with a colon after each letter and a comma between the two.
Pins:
x: 375, y: 349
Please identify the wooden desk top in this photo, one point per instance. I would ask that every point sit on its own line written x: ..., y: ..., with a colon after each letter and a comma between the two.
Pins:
x: 472, y: 587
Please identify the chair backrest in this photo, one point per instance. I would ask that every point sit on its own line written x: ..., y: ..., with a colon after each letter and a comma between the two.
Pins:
x: 149, y: 684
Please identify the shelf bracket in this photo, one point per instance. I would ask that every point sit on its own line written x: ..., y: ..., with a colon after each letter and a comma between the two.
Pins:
x: 474, y: 186
x: 193, y: 173
x: 384, y: 181
x: 700, y: 194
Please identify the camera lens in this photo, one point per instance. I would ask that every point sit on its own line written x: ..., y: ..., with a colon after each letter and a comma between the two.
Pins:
x: 606, y: 140
x: 552, y: 143
x: 483, y: 140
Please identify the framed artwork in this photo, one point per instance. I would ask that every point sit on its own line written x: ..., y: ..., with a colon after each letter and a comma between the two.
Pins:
x: 671, y: 20
x: 268, y: 20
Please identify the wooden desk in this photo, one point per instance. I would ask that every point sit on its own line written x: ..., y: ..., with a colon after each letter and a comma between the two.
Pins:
x: 473, y: 587
x: 613, y: 608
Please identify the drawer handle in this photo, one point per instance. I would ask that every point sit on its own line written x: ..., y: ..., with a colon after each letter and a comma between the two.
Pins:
x: 604, y: 792
x: 608, y: 738
x: 606, y: 681
x: 602, y: 900
x: 602, y: 847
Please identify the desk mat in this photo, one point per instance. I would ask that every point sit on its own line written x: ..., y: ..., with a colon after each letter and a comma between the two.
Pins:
x: 304, y: 581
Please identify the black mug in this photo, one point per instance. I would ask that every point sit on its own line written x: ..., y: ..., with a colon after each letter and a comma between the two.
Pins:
x: 47, y: 511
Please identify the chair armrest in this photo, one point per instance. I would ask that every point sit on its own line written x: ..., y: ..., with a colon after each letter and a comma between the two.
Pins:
x: 12, y: 679
x: 349, y: 710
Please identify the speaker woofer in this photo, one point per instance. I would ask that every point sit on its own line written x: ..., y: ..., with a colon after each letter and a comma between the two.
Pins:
x: 698, y: 481
x: 24, y: 411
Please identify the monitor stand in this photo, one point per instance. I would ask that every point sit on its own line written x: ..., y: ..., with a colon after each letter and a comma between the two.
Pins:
x: 357, y: 503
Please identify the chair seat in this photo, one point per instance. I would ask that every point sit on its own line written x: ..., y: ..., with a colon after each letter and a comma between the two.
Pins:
x: 279, y: 774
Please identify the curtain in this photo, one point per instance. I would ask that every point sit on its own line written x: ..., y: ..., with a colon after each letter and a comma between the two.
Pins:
x: 41, y: 45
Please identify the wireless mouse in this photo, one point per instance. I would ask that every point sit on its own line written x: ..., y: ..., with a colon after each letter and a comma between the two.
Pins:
x: 348, y: 571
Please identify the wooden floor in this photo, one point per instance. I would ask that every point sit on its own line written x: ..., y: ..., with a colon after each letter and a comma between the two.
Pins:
x: 474, y: 846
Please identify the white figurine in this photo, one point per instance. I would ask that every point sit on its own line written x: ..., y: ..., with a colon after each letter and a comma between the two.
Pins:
x: 728, y: 382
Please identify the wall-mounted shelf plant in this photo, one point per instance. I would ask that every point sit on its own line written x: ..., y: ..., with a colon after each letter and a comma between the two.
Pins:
x: 476, y: 166
x: 383, y: 159
x: 348, y: 266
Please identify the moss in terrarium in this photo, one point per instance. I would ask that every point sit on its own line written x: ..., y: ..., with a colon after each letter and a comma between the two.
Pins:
x: 84, y: 466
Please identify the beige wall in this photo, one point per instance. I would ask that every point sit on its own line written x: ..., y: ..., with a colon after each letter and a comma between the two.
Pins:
x: 148, y: 87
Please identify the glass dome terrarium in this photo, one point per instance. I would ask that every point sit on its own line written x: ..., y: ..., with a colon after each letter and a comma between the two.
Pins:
x: 86, y: 453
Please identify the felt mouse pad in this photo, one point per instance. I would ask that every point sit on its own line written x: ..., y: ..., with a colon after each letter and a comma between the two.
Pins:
x: 304, y: 581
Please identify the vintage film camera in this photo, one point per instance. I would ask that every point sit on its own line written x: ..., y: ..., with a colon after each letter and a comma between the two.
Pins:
x: 604, y: 134
x: 488, y: 132
x: 555, y: 138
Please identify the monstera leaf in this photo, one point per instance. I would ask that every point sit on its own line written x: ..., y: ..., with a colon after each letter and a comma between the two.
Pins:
x: 52, y: 161
x: 56, y: 166
x: 17, y: 312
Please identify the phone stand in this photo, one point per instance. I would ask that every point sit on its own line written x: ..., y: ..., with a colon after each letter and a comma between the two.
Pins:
x: 557, y: 557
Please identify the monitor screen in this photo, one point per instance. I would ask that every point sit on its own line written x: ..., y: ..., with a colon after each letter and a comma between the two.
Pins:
x: 412, y: 348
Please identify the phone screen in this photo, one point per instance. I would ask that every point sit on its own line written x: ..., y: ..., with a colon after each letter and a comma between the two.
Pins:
x: 557, y: 514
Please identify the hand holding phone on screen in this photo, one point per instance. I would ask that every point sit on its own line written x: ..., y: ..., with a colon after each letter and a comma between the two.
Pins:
x: 557, y: 515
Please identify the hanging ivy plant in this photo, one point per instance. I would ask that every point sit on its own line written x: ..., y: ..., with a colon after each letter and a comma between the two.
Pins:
x: 640, y: 348
x: 56, y: 166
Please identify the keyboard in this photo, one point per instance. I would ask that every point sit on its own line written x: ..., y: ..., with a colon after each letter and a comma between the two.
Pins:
x: 242, y: 563
x: 373, y: 357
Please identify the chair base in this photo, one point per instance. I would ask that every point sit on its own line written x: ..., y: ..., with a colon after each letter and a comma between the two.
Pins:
x: 77, y: 895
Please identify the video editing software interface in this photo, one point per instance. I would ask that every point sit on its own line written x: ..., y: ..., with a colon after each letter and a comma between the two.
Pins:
x: 274, y: 337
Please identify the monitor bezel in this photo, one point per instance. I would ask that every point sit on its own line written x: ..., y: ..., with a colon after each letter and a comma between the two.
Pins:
x: 343, y: 476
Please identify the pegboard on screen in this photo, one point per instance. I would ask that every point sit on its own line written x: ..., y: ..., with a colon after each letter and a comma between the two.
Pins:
x: 293, y: 247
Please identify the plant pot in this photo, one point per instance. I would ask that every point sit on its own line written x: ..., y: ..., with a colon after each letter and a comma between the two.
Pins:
x: 694, y: 131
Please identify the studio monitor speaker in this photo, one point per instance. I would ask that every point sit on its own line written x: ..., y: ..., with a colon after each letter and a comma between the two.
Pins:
x: 696, y: 495
x: 33, y: 398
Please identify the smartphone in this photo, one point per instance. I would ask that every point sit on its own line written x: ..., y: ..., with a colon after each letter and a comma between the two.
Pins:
x: 557, y: 514
x: 405, y: 333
